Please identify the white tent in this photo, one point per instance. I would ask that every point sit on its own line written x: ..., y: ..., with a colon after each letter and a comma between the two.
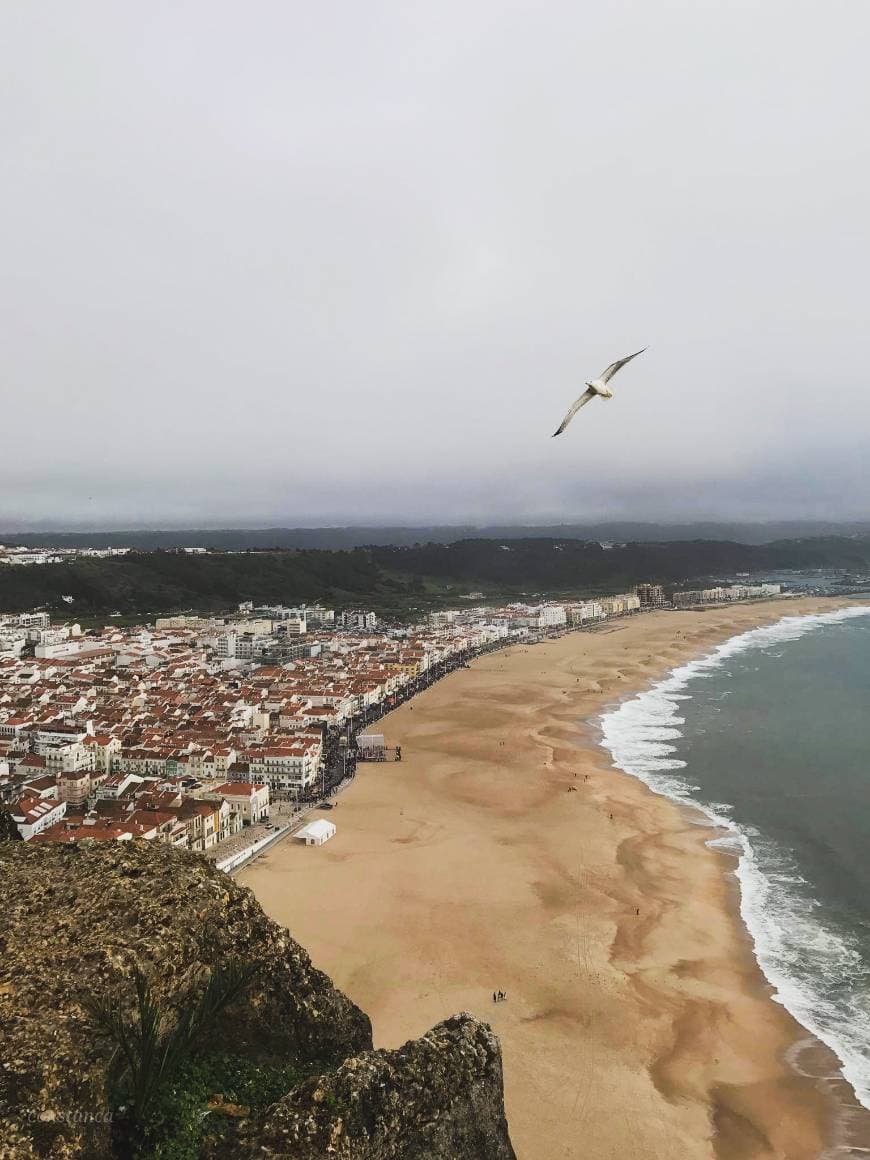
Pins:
x: 316, y: 832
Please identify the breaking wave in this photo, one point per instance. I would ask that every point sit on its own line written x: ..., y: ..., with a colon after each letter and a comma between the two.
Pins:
x: 818, y: 973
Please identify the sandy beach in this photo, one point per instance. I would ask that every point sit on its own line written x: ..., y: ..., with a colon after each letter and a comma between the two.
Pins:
x: 504, y: 853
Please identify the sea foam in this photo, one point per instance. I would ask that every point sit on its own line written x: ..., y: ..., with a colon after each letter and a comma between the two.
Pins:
x: 817, y: 973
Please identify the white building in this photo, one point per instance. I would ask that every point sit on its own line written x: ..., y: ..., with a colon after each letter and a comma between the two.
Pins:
x: 12, y: 643
x: 117, y: 784
x: 310, y: 613
x: 443, y: 618
x: 287, y: 768
x: 61, y: 649
x: 356, y: 618
x: 318, y: 614
x: 316, y: 832
x: 586, y: 612
x: 243, y: 646
x: 26, y: 620
x: 551, y: 616
x: 33, y: 814
x: 540, y: 616
x: 58, y: 733
x: 246, y: 798
x: 56, y: 635
x: 296, y: 625
x: 69, y: 757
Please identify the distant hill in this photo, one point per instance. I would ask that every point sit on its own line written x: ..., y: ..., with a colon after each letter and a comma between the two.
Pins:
x: 240, y: 539
x: 397, y: 579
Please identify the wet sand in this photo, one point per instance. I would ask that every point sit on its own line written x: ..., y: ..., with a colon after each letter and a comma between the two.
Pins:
x: 504, y: 853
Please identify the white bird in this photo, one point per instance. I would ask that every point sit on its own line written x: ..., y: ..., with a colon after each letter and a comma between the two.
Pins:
x: 596, y: 387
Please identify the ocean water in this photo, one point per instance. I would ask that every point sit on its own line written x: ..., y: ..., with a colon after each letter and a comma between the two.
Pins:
x: 770, y: 736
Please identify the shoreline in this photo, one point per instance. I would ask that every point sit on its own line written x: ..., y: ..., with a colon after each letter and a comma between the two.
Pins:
x: 505, y: 852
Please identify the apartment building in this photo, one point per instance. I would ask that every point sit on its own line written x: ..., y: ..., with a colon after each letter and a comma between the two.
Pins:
x: 585, y: 612
x: 285, y: 768
x: 358, y: 619
x: 248, y: 799
x: 650, y: 595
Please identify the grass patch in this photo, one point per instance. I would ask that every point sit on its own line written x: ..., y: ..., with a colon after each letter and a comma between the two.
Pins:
x: 180, y: 1118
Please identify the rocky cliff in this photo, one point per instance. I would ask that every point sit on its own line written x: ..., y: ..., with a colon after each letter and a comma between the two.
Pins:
x: 77, y: 921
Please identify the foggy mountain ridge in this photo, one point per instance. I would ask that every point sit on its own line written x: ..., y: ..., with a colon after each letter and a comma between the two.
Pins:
x: 359, y: 536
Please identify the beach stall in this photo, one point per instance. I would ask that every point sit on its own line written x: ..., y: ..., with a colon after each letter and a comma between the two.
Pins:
x: 316, y: 832
x: 371, y: 747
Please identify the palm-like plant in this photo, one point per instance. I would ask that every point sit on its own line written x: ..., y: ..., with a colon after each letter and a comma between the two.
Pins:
x: 8, y: 830
x: 150, y: 1045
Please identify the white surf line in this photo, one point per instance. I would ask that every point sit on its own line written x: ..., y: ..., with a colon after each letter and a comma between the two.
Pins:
x: 784, y: 932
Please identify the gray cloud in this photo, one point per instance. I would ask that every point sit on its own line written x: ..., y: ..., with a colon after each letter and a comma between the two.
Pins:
x: 301, y: 263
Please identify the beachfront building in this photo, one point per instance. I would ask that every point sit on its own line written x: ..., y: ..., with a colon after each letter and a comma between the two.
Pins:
x: 585, y: 612
x: 695, y: 596
x: 316, y: 832
x: 248, y: 799
x: 620, y: 605
x: 538, y: 616
x: 285, y: 768
x: 724, y: 595
x: 650, y: 595
x: 551, y: 616
x: 204, y: 821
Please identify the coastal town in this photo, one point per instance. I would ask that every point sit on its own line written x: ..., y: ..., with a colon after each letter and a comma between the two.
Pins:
x: 219, y: 734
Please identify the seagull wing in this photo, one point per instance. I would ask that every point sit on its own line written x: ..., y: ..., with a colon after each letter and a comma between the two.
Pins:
x: 581, y: 402
x: 607, y: 375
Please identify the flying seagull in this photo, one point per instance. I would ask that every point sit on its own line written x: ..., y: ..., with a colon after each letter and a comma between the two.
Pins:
x: 596, y: 387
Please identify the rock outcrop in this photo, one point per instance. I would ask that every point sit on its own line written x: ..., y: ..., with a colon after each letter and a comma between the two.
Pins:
x: 76, y: 920
x: 437, y: 1097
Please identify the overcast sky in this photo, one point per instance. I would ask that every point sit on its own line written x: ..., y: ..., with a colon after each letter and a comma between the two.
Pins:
x: 281, y: 262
